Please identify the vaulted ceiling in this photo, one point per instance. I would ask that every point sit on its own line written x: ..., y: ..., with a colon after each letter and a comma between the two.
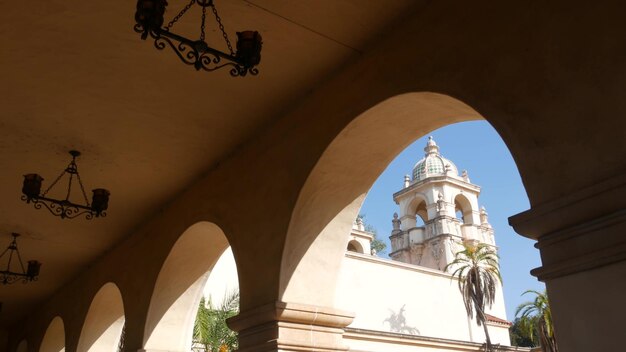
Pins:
x: 74, y: 75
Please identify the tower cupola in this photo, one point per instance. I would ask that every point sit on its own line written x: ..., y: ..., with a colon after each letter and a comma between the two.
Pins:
x: 433, y: 164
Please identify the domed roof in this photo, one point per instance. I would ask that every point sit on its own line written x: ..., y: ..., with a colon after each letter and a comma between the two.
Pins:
x: 433, y: 164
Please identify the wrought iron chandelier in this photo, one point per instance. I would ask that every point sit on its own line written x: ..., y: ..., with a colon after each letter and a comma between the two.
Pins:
x: 64, y: 208
x: 26, y: 275
x: 150, y: 19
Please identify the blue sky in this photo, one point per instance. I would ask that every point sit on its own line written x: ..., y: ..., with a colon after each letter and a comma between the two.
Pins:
x: 475, y: 147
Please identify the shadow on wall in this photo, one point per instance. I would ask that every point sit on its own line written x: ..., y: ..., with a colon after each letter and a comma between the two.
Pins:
x: 397, y: 322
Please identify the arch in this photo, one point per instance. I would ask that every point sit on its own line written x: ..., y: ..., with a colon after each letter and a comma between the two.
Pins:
x: 355, y: 246
x: 22, y: 346
x: 417, y: 207
x: 335, y: 189
x: 421, y: 213
x: 178, y: 289
x: 54, y: 338
x: 104, y: 322
x: 464, y: 206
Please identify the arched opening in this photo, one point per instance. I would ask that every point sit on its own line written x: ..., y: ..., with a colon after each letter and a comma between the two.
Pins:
x: 355, y: 246
x: 421, y: 214
x: 463, y: 209
x: 179, y: 287
x: 334, y: 192
x: 22, y: 346
x: 102, y: 329
x: 54, y: 338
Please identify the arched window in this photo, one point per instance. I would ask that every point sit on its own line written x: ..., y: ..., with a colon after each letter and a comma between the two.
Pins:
x: 421, y: 215
x: 355, y: 246
x: 463, y: 209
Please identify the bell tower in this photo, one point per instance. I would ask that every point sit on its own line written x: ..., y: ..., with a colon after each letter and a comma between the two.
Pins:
x: 438, y: 212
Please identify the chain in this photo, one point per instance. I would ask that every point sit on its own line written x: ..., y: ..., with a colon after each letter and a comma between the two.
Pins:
x: 219, y: 22
x: 203, y: 21
x: 69, y: 188
x: 180, y: 14
x: 52, y: 184
x: 80, y: 182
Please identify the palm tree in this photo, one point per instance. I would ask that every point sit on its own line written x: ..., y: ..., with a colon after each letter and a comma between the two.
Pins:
x: 210, y: 330
x: 539, y: 311
x: 477, y: 270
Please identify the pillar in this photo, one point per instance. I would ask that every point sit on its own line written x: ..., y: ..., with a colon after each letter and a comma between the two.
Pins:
x: 582, y: 240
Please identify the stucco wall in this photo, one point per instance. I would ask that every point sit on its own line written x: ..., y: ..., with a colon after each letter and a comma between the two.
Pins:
x: 375, y: 288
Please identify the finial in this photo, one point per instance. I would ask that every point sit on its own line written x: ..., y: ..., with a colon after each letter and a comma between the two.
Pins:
x: 484, y: 216
x: 465, y: 176
x: 407, y: 181
x: 395, y: 222
x: 431, y: 146
x: 359, y: 223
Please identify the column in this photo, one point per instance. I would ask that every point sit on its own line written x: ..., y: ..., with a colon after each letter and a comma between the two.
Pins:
x: 582, y: 240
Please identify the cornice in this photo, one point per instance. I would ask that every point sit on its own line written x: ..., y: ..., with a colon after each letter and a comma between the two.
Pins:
x: 578, y: 232
x: 398, y: 265
x: 291, y: 313
x: 420, y: 341
x: 437, y: 179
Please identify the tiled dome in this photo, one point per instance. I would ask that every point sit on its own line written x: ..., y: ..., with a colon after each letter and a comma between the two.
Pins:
x: 433, y: 164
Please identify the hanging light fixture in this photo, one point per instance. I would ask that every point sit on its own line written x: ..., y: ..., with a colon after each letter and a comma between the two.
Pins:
x: 150, y: 19
x: 31, y: 273
x: 31, y: 190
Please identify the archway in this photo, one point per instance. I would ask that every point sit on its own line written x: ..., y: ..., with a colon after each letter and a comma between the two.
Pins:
x: 417, y: 209
x: 54, y: 338
x: 464, y: 210
x: 22, y: 346
x: 178, y: 289
x: 104, y: 322
x: 335, y: 189
x: 348, y: 174
x: 355, y: 246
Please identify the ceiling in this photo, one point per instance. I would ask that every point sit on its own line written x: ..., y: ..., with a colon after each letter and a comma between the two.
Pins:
x: 76, y: 76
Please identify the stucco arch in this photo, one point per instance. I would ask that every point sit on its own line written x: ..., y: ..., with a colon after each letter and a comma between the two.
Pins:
x: 54, y: 338
x: 334, y: 191
x: 22, y: 346
x: 461, y: 203
x: 355, y: 246
x: 418, y: 207
x: 178, y: 289
x: 104, y: 321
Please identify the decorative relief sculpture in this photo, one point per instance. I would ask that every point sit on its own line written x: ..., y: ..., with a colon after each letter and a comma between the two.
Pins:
x: 441, y: 204
x: 436, y: 250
